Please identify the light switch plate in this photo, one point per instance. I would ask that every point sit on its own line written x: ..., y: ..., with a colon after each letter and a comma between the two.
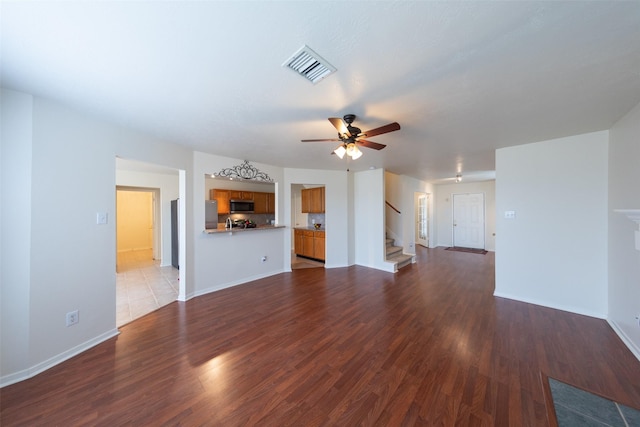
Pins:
x: 101, y: 218
x: 509, y: 214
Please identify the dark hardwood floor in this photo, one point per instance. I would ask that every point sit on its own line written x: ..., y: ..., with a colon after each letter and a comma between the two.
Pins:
x: 340, y: 347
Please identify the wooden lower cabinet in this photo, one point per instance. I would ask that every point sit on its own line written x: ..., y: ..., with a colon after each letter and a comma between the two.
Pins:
x: 309, y: 243
x: 298, y: 241
x: 318, y: 245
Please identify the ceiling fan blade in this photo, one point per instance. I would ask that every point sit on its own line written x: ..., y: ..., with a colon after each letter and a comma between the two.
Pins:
x: 319, y: 140
x: 382, y: 129
x: 339, y: 125
x: 370, y: 144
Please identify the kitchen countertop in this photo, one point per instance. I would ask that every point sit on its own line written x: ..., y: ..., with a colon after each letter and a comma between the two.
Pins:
x: 222, y: 229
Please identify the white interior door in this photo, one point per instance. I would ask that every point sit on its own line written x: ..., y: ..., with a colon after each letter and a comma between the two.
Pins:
x: 468, y: 220
x: 422, y: 219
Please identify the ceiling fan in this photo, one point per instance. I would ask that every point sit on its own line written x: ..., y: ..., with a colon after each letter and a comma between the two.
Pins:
x: 351, y: 137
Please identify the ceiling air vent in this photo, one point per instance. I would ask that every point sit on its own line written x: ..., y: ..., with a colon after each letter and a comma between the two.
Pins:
x: 309, y: 65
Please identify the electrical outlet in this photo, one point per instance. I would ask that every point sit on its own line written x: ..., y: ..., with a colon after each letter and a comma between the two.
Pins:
x: 72, y: 318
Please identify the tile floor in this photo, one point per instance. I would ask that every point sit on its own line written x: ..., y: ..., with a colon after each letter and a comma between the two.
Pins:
x: 142, y: 286
x: 575, y: 407
x: 298, y: 262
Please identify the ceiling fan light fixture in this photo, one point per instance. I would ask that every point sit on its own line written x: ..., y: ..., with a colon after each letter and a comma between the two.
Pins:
x: 340, y: 151
x: 353, y: 151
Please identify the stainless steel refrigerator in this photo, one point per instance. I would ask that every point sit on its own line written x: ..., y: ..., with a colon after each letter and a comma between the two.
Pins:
x: 174, y: 233
x: 210, y: 214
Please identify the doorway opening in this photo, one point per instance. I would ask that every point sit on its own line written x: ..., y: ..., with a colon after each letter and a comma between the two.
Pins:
x: 142, y: 283
x: 145, y: 279
x: 469, y: 220
x: 308, y: 241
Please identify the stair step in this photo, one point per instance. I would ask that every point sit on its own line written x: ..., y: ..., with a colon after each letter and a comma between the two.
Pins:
x: 403, y: 260
x: 393, y: 250
x: 395, y: 254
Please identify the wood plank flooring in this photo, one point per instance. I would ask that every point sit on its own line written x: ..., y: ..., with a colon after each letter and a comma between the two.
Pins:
x: 428, y: 345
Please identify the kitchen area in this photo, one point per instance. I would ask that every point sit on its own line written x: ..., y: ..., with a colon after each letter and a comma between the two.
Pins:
x: 242, y: 205
x: 238, y: 204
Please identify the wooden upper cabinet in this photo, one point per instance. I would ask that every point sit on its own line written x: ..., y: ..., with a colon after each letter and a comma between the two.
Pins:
x: 240, y: 195
x: 271, y: 203
x: 222, y: 196
x: 317, y: 200
x: 313, y: 200
x: 306, y: 200
x: 260, y: 203
x: 264, y: 203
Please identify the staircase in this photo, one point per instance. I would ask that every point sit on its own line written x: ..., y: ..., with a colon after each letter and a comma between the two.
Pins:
x: 394, y: 254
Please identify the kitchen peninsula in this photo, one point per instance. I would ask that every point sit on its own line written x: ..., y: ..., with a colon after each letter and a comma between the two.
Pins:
x: 223, y: 229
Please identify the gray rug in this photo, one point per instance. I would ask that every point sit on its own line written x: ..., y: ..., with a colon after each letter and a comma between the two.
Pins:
x: 470, y: 250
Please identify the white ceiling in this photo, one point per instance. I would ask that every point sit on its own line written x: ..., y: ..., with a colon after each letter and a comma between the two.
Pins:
x: 461, y: 78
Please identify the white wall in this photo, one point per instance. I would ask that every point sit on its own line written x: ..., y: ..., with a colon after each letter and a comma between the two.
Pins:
x: 72, y: 259
x: 444, y: 210
x: 554, y: 253
x: 369, y: 197
x: 169, y: 190
x: 624, y: 260
x: 338, y: 233
x: 15, y: 232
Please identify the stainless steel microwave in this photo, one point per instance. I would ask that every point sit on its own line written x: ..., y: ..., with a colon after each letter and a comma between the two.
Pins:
x: 241, y: 206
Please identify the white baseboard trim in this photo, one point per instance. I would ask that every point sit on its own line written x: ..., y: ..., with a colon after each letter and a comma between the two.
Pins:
x: 575, y: 310
x: 56, y: 360
x: 120, y: 251
x: 625, y: 338
x: 234, y: 283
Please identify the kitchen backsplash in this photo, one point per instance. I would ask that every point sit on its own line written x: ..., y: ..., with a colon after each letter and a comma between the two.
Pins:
x: 315, y: 218
x: 259, y: 219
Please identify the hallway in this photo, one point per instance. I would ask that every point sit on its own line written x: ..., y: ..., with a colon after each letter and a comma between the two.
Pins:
x: 142, y: 285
